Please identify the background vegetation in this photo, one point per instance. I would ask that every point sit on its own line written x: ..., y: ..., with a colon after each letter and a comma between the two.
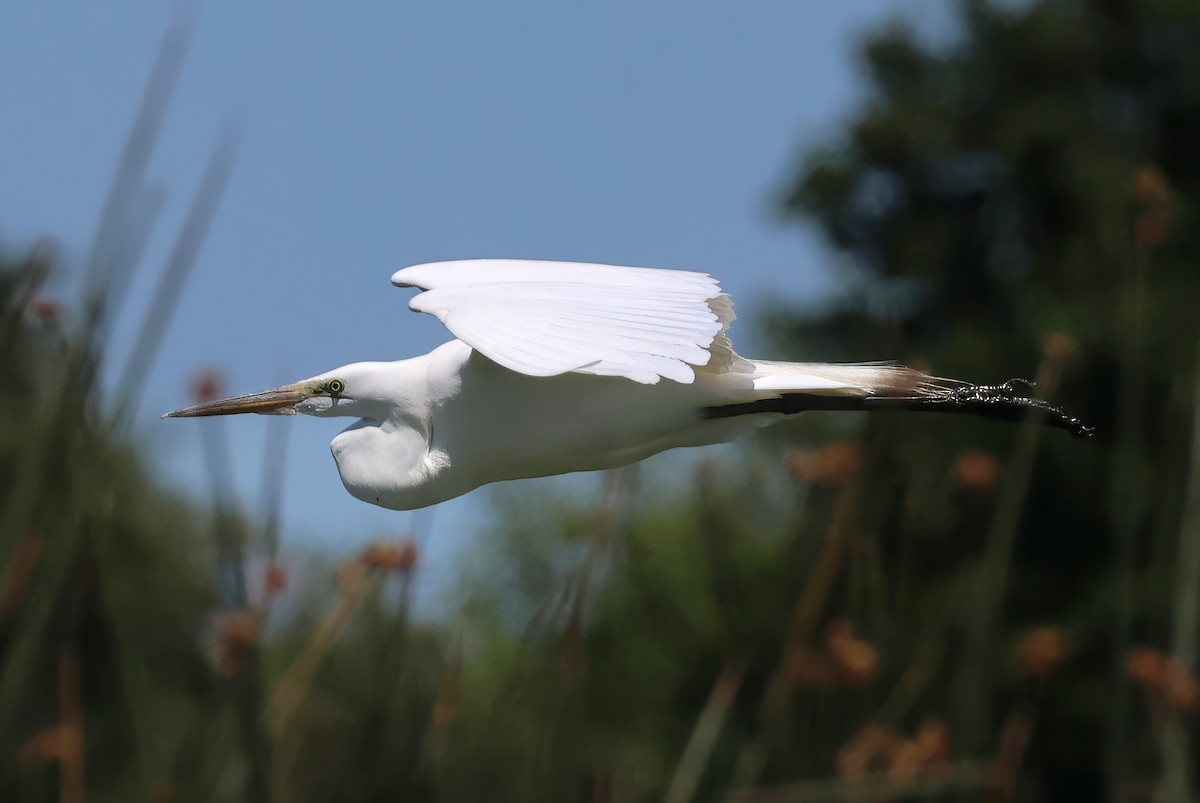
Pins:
x: 860, y: 608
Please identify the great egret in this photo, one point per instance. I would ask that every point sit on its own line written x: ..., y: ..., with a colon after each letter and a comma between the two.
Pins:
x: 561, y: 367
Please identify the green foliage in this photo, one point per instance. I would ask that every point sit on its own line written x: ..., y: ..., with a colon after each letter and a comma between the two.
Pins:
x: 101, y: 540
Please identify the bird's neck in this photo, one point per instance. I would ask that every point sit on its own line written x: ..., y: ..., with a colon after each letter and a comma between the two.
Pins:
x: 391, y: 393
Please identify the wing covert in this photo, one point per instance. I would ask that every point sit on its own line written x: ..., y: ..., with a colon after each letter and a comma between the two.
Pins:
x: 550, y: 318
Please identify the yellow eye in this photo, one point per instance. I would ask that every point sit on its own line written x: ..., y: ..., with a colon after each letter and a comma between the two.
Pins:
x: 336, y: 386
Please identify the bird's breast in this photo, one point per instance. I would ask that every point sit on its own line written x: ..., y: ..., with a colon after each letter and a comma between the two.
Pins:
x: 389, y: 465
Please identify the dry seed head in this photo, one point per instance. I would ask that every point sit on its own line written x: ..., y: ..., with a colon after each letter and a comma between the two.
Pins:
x: 872, y: 746
x: 208, y: 385
x: 390, y: 556
x: 1164, y: 675
x: 57, y: 744
x: 1059, y: 347
x: 1144, y: 665
x: 1154, y: 207
x: 857, y: 661
x: 275, y: 579
x: 934, y: 738
x: 976, y: 470
x: 831, y: 465
x: 1150, y: 187
x: 241, y: 630
x: 1042, y: 651
x: 929, y: 747
x: 44, y: 310
x: 907, y: 760
x: 1179, y: 686
x: 239, y: 634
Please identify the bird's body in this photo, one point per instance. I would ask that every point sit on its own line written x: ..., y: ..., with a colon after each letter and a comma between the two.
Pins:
x: 465, y: 421
x: 564, y: 367
x: 479, y: 423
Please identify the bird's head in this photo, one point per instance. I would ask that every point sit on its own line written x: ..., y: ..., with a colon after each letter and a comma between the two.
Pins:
x: 360, y: 390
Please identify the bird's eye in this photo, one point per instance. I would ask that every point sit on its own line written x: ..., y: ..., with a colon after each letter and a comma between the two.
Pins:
x: 336, y: 386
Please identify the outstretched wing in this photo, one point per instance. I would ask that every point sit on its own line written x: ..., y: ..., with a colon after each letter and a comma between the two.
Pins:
x: 549, y: 318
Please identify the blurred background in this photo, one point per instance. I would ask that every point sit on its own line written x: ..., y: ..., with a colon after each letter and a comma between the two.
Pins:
x: 207, y: 200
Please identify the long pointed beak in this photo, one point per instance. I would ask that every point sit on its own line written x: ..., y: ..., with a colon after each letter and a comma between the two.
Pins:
x: 281, y: 401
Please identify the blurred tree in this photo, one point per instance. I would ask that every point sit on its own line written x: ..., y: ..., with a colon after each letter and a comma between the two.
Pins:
x: 1028, y: 192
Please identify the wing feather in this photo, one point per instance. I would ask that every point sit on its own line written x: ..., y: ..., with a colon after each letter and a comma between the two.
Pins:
x: 549, y: 318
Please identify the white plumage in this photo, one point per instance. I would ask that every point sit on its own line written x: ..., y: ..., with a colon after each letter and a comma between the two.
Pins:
x: 559, y: 367
x: 548, y: 318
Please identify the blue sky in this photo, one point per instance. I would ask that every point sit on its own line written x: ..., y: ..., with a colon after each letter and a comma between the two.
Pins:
x: 384, y: 134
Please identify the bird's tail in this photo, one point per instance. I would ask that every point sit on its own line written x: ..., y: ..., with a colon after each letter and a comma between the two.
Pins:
x: 798, y: 387
x: 846, y: 379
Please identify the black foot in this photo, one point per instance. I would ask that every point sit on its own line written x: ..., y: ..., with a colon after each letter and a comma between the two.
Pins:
x: 1006, y: 402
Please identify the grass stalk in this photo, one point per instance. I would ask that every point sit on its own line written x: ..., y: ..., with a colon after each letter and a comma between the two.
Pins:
x: 71, y: 708
x: 690, y: 769
x: 182, y: 258
x: 293, y: 685
x: 773, y: 712
x: 1124, y: 484
x: 139, y: 145
x: 1179, y: 781
x: 986, y: 609
x: 960, y: 778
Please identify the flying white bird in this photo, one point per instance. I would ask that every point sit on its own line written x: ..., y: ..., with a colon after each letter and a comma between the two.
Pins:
x: 561, y: 367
